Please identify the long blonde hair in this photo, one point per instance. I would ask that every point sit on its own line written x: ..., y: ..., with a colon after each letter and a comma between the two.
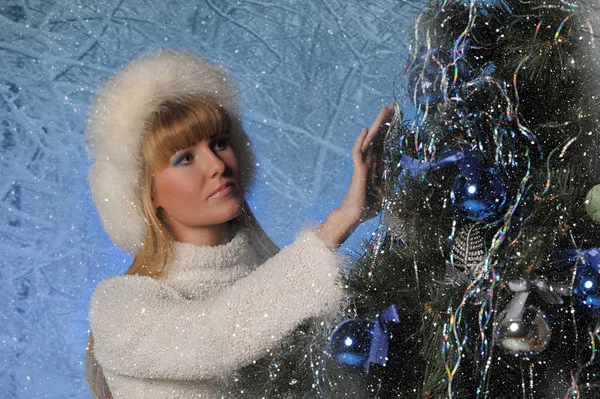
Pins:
x: 175, y: 125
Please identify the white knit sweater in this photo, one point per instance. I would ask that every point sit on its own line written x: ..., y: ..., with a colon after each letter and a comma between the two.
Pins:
x: 217, y: 310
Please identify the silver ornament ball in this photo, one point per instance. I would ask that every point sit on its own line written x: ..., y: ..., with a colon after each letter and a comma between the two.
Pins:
x: 527, y: 336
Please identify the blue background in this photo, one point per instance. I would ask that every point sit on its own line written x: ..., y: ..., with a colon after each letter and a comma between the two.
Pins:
x: 311, y: 74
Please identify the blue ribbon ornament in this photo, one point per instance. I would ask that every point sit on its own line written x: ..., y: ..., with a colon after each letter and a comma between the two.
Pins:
x: 358, y: 343
x: 587, y: 277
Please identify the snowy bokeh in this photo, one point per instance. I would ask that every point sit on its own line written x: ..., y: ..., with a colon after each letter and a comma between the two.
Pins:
x: 311, y: 74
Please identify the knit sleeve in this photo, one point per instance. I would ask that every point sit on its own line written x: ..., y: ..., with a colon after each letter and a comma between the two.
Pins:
x: 143, y: 328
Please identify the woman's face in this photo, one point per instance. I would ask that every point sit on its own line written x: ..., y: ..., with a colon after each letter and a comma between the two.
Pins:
x: 199, y: 188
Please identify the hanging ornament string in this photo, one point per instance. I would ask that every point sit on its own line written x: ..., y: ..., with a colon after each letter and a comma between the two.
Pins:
x: 486, y: 277
x: 486, y: 307
x: 521, y: 63
x: 425, y: 146
x: 548, y: 171
x: 591, y: 30
x: 510, y: 109
x: 461, y: 42
x: 392, y: 139
x: 574, y: 392
x: 570, y: 7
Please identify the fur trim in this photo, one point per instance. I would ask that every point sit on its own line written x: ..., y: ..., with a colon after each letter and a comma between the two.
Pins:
x: 116, y: 124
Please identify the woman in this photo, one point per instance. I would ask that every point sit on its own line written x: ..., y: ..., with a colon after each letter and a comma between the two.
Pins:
x: 207, y: 293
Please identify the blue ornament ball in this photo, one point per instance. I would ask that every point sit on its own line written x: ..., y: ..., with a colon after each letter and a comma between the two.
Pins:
x: 350, y: 343
x: 478, y: 191
x: 587, y: 281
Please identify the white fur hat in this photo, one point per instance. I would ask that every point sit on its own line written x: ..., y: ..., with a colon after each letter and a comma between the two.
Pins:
x: 116, y: 123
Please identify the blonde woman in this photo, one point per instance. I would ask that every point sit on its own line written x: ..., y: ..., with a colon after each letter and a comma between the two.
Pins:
x: 208, y: 292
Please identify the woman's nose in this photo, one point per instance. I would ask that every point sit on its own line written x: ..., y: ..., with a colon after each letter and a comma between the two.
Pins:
x: 213, y: 164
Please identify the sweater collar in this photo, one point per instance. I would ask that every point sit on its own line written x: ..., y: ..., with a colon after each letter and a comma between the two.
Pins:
x: 195, y: 266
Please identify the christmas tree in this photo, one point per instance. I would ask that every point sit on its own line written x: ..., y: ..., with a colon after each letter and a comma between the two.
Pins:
x: 483, y: 279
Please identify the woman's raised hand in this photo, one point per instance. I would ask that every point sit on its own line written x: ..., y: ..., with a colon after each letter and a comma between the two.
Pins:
x: 363, y: 199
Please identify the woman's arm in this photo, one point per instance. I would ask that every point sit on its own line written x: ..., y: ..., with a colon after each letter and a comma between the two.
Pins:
x: 144, y: 329
x: 362, y: 201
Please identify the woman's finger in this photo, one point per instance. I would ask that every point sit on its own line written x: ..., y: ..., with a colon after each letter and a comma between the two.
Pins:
x: 385, y: 115
x: 358, y: 144
x: 368, y: 157
x: 374, y: 129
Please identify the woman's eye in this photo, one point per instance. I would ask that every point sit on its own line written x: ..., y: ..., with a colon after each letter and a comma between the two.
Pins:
x: 183, y: 159
x: 220, y: 144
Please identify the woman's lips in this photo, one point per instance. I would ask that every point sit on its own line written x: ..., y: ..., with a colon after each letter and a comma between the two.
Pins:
x: 222, y: 191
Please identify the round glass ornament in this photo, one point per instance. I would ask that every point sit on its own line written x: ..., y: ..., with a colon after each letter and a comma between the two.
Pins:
x: 528, y: 335
x: 478, y: 191
x: 358, y: 343
x: 587, y: 284
x: 350, y: 344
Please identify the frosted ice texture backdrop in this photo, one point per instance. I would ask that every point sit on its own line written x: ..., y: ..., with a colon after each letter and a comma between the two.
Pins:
x: 311, y: 74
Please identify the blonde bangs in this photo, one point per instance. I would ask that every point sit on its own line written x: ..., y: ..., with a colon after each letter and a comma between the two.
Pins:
x: 180, y: 124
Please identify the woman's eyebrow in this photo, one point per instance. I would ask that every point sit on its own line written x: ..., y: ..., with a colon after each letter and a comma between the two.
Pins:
x: 183, y: 149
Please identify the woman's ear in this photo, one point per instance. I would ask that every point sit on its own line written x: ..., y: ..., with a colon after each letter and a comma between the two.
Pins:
x: 153, y: 198
x: 155, y: 202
